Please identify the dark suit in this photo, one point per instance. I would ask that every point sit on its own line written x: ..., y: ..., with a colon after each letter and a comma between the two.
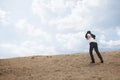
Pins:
x: 93, y: 45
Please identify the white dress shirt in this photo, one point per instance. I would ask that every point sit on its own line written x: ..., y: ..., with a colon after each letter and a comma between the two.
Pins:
x: 90, y: 38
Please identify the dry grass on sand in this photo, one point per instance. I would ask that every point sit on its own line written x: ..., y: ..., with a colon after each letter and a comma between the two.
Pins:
x: 62, y: 67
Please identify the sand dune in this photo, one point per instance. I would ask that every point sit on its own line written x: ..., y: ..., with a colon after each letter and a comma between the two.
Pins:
x: 62, y: 67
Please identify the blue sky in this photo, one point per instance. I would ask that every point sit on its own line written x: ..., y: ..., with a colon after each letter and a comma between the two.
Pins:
x: 51, y: 27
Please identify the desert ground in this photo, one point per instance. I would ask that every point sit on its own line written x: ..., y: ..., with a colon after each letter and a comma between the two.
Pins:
x: 61, y: 67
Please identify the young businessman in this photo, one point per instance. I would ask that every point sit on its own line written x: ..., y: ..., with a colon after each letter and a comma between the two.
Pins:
x: 93, y: 45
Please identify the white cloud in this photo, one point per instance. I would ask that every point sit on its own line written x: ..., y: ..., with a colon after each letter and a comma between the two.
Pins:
x: 72, y: 22
x: 4, y: 16
x: 93, y: 3
x: 37, y: 40
x: 24, y: 26
x: 39, y: 33
x: 50, y: 9
x: 36, y: 47
x: 36, y: 32
x: 68, y: 14
x: 28, y: 48
x: 71, y: 41
x: 81, y: 17
x: 108, y: 43
x: 118, y: 31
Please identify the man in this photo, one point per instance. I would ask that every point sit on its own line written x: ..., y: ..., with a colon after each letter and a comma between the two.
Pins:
x: 93, y: 45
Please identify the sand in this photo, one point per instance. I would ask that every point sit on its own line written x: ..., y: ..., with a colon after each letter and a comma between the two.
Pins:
x: 61, y: 67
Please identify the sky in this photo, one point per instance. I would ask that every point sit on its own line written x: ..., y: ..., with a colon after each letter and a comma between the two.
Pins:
x: 54, y: 27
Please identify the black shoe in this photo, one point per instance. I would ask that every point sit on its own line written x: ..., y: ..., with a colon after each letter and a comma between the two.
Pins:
x: 102, y: 61
x: 92, y: 62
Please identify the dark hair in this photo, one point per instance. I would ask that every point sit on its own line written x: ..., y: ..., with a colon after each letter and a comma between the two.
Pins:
x: 89, y: 32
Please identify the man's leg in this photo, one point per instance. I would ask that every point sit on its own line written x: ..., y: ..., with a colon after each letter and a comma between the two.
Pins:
x: 91, y: 53
x: 98, y: 53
